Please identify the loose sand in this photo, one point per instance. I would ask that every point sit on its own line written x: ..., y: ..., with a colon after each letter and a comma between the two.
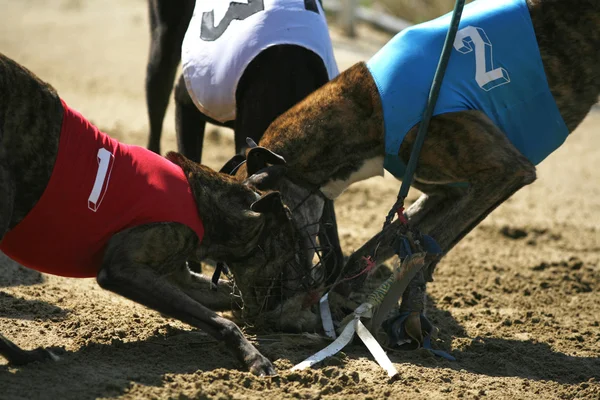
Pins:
x: 517, y: 302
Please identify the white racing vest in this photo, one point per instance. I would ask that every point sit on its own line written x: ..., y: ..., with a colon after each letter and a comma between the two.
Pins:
x: 224, y: 37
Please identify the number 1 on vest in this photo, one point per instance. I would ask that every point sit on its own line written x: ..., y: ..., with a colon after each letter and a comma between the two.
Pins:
x: 471, y: 38
x: 105, y: 164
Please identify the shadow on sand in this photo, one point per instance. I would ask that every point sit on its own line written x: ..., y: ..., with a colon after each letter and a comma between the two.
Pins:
x: 13, y: 274
x: 494, y: 357
x: 106, y: 370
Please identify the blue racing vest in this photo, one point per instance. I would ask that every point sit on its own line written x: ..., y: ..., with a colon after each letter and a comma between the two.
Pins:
x: 495, y: 67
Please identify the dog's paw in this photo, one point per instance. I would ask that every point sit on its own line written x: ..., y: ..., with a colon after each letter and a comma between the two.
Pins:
x: 260, y: 365
x: 40, y: 354
x: 408, y: 330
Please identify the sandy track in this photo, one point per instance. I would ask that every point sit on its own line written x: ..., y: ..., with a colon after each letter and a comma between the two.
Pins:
x: 518, y: 301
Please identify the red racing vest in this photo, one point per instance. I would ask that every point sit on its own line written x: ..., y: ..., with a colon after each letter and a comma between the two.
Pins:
x: 98, y: 188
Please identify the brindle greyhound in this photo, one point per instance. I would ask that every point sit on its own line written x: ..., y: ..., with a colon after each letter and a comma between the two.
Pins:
x: 275, y: 80
x: 336, y: 137
x: 144, y: 262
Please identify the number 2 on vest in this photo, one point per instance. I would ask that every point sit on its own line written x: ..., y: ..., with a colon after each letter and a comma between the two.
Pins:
x: 105, y: 164
x: 471, y: 38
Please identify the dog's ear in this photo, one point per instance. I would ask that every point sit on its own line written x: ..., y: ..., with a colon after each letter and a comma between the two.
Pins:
x: 176, y: 158
x: 270, y: 203
x: 233, y: 164
x: 258, y: 158
x: 267, y: 178
x: 251, y: 143
x: 188, y: 166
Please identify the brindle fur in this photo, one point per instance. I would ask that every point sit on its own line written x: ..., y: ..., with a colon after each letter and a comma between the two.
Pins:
x: 144, y: 263
x: 333, y: 132
x: 274, y: 81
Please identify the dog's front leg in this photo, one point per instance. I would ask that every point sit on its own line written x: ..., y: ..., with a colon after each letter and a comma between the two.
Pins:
x: 198, y: 287
x: 138, y: 264
x: 379, y: 248
x: 17, y: 356
x: 465, y: 148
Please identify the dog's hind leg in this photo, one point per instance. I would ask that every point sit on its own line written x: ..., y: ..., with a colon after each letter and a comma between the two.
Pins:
x: 13, y: 353
x: 189, y: 128
x: 168, y: 23
x: 139, y: 264
x: 7, y: 199
x: 17, y: 356
x: 189, y: 124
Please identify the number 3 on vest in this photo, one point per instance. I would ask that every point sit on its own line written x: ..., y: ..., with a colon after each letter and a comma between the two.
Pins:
x: 105, y: 165
x: 237, y: 10
x: 487, y: 78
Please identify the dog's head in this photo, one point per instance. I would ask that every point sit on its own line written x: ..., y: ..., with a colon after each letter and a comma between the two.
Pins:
x: 305, y: 204
x: 332, y: 138
x: 246, y: 225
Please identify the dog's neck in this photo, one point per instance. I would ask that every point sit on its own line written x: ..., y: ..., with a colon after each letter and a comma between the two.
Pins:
x: 231, y: 229
x: 343, y: 128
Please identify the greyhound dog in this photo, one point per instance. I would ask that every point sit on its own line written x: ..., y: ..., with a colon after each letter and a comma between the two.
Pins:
x: 75, y: 202
x: 243, y: 65
x: 499, y: 113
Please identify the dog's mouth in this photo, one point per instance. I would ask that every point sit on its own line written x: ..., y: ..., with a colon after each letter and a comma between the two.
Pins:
x: 290, y: 263
x: 280, y: 268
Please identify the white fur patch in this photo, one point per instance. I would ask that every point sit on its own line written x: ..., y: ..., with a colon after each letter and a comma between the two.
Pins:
x: 371, y: 167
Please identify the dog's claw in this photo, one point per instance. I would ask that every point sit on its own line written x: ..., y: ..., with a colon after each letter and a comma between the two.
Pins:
x: 261, y: 366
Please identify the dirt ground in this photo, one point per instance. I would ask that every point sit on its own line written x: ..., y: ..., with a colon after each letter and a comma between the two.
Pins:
x: 517, y: 302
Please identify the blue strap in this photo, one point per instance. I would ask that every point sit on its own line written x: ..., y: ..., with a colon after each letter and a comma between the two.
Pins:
x: 404, y: 248
x: 430, y: 245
